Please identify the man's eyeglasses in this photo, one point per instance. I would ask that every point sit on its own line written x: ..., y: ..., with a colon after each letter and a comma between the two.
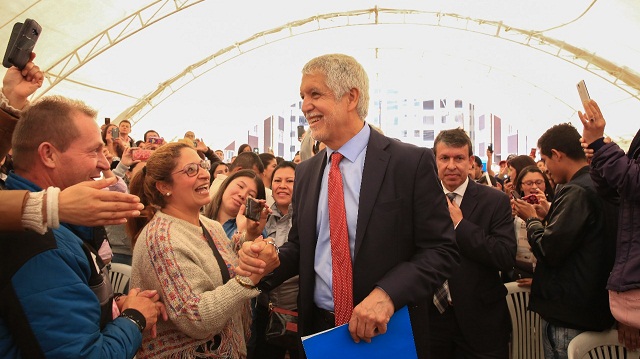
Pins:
x: 192, y: 169
x: 530, y: 183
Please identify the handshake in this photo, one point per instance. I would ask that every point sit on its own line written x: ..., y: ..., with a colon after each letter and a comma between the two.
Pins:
x: 257, y: 259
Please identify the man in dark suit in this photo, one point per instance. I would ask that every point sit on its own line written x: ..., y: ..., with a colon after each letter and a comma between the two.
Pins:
x: 400, y: 237
x: 474, y: 320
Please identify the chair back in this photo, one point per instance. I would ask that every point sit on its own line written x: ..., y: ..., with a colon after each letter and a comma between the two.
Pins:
x: 526, y: 335
x: 599, y: 345
x: 119, y: 274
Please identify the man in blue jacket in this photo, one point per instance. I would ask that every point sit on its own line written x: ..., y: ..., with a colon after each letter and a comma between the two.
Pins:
x: 56, y: 297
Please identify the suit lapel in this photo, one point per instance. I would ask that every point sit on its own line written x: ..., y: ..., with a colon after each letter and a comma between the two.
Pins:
x: 375, y: 167
x: 311, y: 198
x: 470, y: 199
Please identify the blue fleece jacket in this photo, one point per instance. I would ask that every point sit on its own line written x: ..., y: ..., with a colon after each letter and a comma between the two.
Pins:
x: 62, y: 310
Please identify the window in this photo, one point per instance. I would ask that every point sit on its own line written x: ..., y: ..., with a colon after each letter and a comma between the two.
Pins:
x: 443, y: 119
x: 395, y: 121
x: 427, y: 120
x: 404, y: 133
x: 481, y: 122
x: 427, y: 135
x: 443, y: 103
x: 416, y: 133
x: 427, y: 105
x: 458, y: 104
x: 459, y: 117
x: 293, y: 118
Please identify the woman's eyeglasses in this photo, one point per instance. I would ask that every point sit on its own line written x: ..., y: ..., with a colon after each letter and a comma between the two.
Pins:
x: 530, y: 183
x: 192, y: 169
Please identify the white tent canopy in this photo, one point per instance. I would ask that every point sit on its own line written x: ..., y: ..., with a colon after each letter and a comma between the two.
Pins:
x: 219, y: 67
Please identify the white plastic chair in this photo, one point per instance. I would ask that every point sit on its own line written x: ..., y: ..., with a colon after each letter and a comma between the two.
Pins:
x: 526, y: 336
x: 119, y: 275
x: 599, y: 345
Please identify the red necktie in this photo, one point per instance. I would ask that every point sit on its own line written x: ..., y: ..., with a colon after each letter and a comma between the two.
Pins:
x: 340, y: 253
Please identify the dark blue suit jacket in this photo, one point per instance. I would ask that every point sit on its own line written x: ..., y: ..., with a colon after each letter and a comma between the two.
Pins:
x: 487, y: 244
x: 404, y: 237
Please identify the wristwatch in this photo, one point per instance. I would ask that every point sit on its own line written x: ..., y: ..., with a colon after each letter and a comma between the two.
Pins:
x: 245, y: 282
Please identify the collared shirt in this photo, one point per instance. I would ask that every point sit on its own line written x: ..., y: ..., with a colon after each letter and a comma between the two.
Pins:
x: 460, y: 193
x: 351, y: 167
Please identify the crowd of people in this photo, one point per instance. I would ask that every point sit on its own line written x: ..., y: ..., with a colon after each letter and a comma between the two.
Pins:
x: 355, y: 227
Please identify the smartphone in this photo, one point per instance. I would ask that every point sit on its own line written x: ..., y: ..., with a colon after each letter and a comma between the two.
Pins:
x: 252, y: 209
x: 155, y: 140
x: 582, y: 91
x: 300, y: 132
x: 138, y: 154
x: 490, y: 147
x: 532, y: 198
x: 516, y: 195
x: 532, y: 154
x: 115, y: 132
x: 21, y: 43
x: 107, y: 120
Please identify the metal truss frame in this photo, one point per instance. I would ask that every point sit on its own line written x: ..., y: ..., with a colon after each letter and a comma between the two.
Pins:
x: 622, y: 77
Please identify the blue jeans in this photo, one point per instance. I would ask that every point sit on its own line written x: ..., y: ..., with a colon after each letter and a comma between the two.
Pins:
x: 556, y: 340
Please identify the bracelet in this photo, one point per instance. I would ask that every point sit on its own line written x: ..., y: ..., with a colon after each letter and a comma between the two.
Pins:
x: 273, y: 243
x: 531, y: 219
x: 117, y: 296
x: 245, y: 282
x: 136, y: 317
x: 53, y: 221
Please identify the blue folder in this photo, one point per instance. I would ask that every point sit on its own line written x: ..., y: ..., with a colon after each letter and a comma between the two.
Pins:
x: 336, y: 343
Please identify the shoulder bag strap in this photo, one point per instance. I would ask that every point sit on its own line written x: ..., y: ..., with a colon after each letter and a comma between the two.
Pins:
x: 223, y: 266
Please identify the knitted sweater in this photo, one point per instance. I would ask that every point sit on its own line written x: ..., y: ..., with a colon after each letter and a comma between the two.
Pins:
x: 206, y: 318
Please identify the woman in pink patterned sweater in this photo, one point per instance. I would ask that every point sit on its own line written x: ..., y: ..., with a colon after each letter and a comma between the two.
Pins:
x: 189, y: 260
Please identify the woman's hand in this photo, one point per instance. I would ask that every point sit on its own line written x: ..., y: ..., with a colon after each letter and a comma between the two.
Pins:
x: 266, y: 251
x: 252, y: 228
x: 127, y: 157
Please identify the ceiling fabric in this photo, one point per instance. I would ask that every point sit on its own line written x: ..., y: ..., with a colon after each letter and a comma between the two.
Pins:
x: 220, y: 67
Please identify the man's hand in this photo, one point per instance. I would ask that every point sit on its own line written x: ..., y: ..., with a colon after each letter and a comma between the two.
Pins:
x: 148, y: 304
x: 524, y: 282
x: 257, y: 257
x: 18, y: 85
x: 268, y: 254
x: 628, y: 336
x: 524, y: 209
x: 370, y: 317
x: 593, y: 122
x: 454, y: 211
x: 86, y: 204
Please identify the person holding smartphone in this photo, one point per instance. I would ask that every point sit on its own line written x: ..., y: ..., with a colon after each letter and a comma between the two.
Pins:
x: 615, y: 175
x: 228, y: 205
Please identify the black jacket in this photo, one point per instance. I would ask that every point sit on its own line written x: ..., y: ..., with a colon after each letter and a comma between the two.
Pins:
x: 575, y: 253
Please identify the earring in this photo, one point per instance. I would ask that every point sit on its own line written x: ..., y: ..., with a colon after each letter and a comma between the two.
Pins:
x: 168, y: 194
